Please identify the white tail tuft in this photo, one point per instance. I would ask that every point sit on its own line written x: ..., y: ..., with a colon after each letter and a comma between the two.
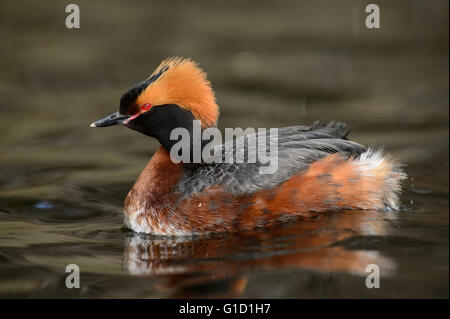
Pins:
x: 385, y: 171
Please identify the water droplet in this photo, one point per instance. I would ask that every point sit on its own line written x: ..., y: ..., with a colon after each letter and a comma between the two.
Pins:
x: 44, y: 205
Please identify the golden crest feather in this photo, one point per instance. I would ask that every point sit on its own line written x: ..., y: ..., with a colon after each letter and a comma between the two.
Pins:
x: 184, y: 83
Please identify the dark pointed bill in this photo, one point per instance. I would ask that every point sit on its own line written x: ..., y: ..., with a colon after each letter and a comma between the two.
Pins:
x: 113, y: 119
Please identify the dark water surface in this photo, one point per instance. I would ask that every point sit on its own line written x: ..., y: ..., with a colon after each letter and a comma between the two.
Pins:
x: 62, y: 184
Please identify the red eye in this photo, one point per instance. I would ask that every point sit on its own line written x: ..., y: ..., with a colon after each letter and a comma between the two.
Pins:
x: 146, y: 106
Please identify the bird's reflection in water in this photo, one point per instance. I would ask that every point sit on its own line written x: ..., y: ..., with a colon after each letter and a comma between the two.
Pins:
x: 217, y: 266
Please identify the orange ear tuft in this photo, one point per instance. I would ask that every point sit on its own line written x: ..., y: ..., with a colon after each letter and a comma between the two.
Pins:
x: 184, y: 83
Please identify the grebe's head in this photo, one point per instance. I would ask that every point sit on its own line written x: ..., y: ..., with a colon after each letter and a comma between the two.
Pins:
x: 177, y: 93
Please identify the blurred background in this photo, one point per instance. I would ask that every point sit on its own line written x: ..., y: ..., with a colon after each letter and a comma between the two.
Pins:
x: 272, y: 64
